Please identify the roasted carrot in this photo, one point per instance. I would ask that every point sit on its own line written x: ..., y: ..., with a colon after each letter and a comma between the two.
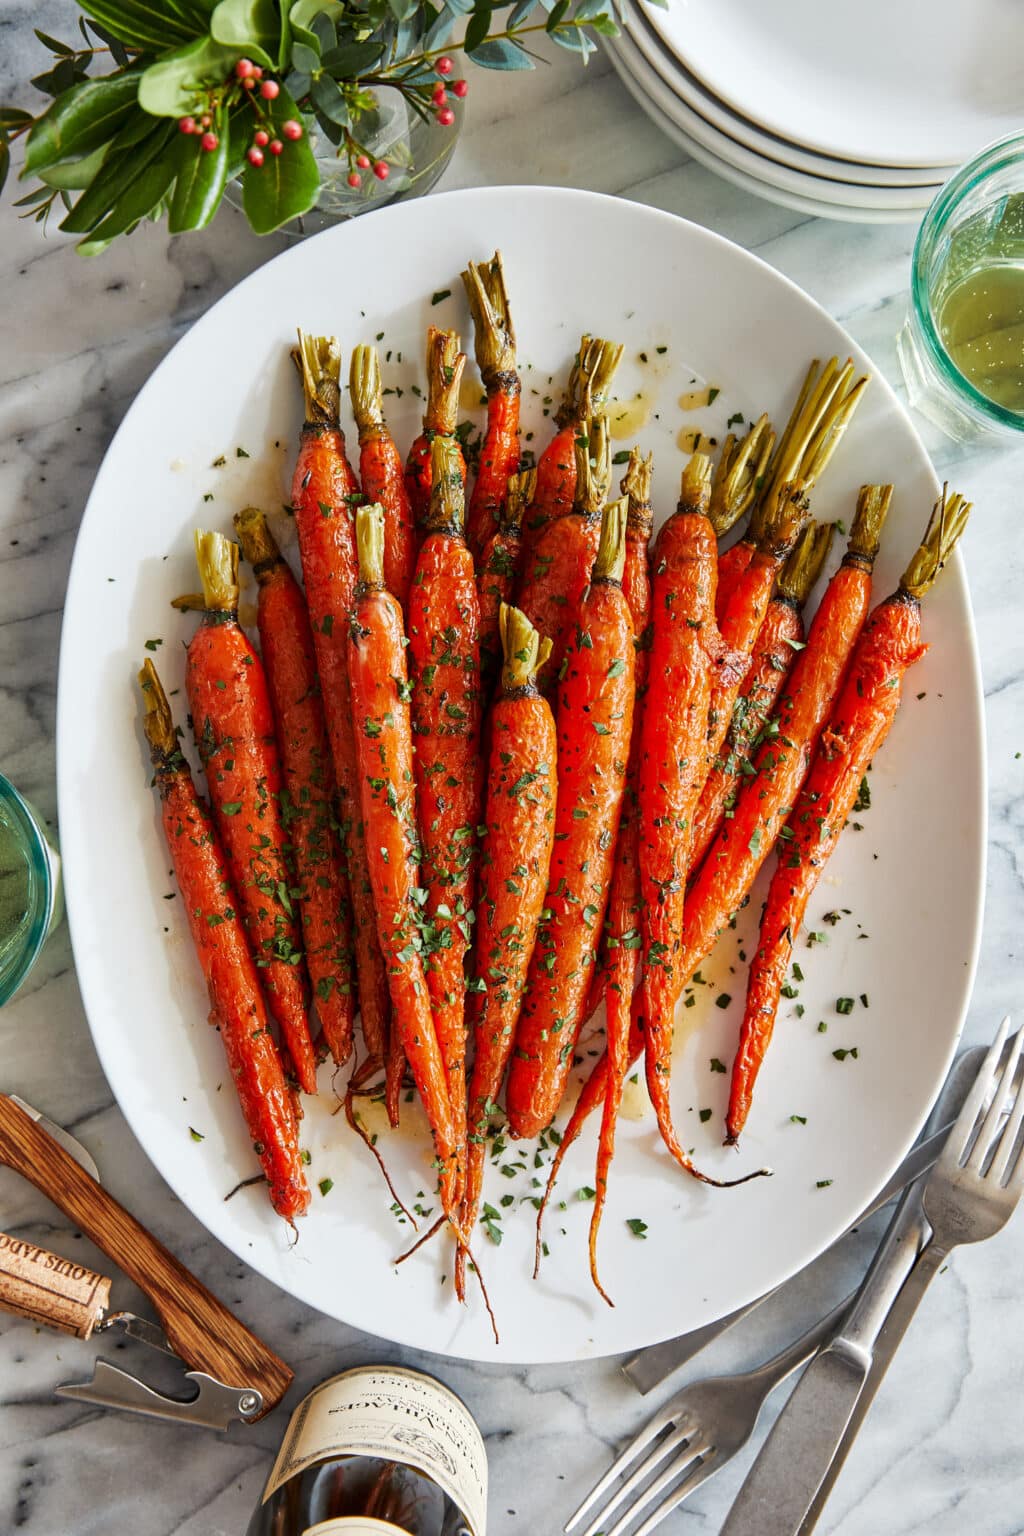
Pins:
x: 444, y: 376
x: 745, y: 612
x: 234, y: 729
x: 444, y: 668
x: 586, y: 395
x: 495, y: 343
x: 383, y: 733
x: 497, y: 572
x: 557, y: 571
x: 324, y: 497
x: 766, y: 798
x: 380, y: 470
x: 307, y: 798
x: 593, y: 721
x: 621, y: 937
x: 780, y: 637
x: 515, y: 855
x: 889, y: 644
x: 236, y: 1004
x: 816, y: 424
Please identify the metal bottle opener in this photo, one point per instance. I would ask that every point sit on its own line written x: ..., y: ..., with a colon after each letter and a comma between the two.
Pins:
x: 234, y: 1375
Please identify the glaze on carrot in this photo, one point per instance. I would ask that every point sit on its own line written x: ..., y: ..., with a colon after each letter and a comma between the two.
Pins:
x: 236, y: 1004
x: 889, y: 644
x: 515, y: 856
x: 307, y: 798
x: 593, y: 722
x: 586, y: 395
x: 780, y: 637
x: 383, y: 732
x: 498, y: 572
x: 381, y: 472
x: 234, y: 728
x: 557, y: 569
x: 444, y: 669
x: 324, y: 497
x: 495, y: 343
x: 440, y: 419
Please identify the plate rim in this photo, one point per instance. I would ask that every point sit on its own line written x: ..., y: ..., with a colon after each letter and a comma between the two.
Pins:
x: 77, y: 877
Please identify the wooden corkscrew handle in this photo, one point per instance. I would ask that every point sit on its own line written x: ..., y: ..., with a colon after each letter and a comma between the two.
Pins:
x: 199, y: 1328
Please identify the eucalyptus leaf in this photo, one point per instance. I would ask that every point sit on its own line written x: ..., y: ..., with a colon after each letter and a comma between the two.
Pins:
x: 402, y: 10
x: 440, y: 31
x: 478, y: 28
x: 297, y: 82
x: 556, y: 13
x: 460, y: 7
x: 572, y: 40
x: 324, y: 30
x: 61, y: 49
x: 588, y: 9
x: 113, y: 179
x: 169, y: 87
x: 88, y: 115
x: 117, y: 48
x: 252, y: 26
x: 200, y: 178
x: 74, y: 175
x: 605, y: 25
x: 304, y: 58
x: 520, y: 13
x: 153, y: 24
x: 328, y: 98
x: 501, y: 53
x: 351, y: 60
x: 286, y: 185
x: 301, y: 18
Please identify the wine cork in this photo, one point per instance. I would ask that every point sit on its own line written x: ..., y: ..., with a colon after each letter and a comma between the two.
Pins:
x: 49, y: 1289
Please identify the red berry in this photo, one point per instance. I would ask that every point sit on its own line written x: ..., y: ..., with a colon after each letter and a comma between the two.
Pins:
x: 439, y: 95
x: 291, y: 129
x: 445, y: 65
x: 249, y: 82
x: 382, y: 170
x: 205, y: 120
x: 244, y: 68
x: 354, y: 179
x: 269, y: 89
x: 276, y: 146
x: 255, y: 156
x: 446, y: 117
x: 363, y: 162
x: 460, y: 88
x: 257, y: 72
x: 186, y: 125
x: 261, y: 138
x: 209, y: 141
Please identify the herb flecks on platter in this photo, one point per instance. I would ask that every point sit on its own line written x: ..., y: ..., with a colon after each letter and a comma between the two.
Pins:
x: 198, y: 96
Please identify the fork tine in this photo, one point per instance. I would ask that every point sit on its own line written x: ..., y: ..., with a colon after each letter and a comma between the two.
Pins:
x: 960, y: 1135
x: 700, y: 1474
x: 639, y: 1442
x: 1005, y: 1151
x: 691, y: 1454
x: 993, y: 1120
x: 683, y: 1431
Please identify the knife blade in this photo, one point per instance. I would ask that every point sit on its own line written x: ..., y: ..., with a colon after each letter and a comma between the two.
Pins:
x: 650, y: 1367
x: 72, y: 1146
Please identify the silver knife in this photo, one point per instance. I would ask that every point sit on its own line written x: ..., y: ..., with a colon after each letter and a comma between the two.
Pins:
x: 650, y: 1367
x: 786, y: 1482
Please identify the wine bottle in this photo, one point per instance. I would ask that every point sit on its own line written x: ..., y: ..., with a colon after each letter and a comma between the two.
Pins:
x: 377, y: 1451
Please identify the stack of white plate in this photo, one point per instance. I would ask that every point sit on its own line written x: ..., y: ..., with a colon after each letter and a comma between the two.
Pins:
x: 856, y: 112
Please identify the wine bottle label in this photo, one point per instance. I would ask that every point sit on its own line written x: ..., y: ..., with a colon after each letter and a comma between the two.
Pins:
x: 398, y: 1415
x: 353, y: 1525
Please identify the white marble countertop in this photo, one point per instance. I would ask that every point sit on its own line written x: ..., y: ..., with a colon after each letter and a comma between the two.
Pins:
x: 941, y: 1449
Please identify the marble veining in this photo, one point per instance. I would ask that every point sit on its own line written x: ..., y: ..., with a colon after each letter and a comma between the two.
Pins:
x: 941, y: 1450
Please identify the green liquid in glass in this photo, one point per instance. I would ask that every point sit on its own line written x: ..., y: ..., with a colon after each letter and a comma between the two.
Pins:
x: 15, y: 889
x: 982, y: 328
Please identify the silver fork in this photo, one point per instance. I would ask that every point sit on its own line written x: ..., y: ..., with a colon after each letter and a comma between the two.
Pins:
x: 707, y: 1424
x: 970, y: 1194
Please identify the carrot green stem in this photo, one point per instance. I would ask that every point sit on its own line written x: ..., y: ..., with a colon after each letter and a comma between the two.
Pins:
x: 444, y: 377
x: 740, y: 474
x: 318, y: 359
x: 447, y: 487
x: 590, y: 380
x: 806, y: 563
x: 813, y: 432
x: 156, y: 721
x: 518, y: 496
x: 782, y: 522
x: 636, y: 482
x: 259, y: 547
x: 495, y: 338
x: 366, y: 388
x: 695, y: 487
x: 217, y: 559
x: 523, y: 649
x: 611, y: 550
x: 872, y: 509
x: 593, y: 466
x: 370, y: 544
x: 946, y: 524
